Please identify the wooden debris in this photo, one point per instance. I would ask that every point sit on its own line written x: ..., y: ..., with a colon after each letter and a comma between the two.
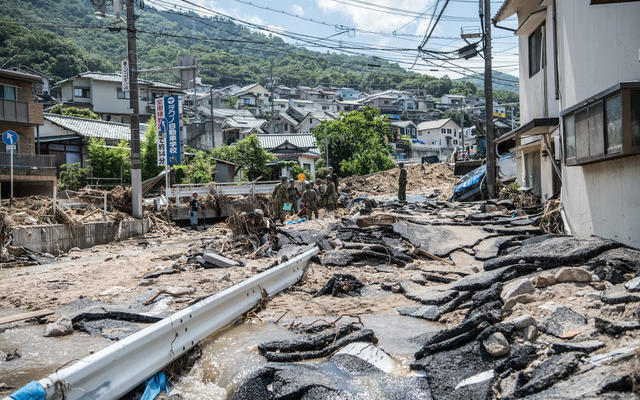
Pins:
x: 163, y: 291
x: 28, y: 315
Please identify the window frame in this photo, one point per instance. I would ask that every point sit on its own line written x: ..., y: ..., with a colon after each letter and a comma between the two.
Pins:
x: 15, y: 92
x: 539, y: 49
x: 600, y: 150
x: 83, y: 91
x: 123, y: 94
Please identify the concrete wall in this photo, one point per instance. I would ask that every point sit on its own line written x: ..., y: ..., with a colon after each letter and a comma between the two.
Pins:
x: 54, y: 238
x: 598, y: 47
x: 603, y: 199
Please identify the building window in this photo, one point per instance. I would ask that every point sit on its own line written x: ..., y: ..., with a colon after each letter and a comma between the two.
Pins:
x: 455, y: 142
x: 443, y: 130
x: 537, y: 59
x: 123, y: 95
x: 286, y: 127
x: 81, y: 92
x: 419, y: 133
x: 613, y: 127
x: 448, y: 130
x: 607, y: 128
x: 386, y: 102
x: 246, y: 101
x: 307, y: 167
x: 8, y: 92
x: 144, y: 95
x: 275, y: 129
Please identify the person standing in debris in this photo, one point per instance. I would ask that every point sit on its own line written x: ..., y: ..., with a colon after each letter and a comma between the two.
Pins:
x: 334, y: 179
x: 330, y: 195
x: 294, y: 195
x: 402, y: 184
x: 310, y: 200
x: 194, y: 207
x: 320, y: 190
x: 280, y: 197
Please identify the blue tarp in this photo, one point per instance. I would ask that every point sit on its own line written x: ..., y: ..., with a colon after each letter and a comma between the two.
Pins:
x: 156, y: 385
x: 31, y: 391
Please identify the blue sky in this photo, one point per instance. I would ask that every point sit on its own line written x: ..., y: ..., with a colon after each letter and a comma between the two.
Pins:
x: 389, y: 29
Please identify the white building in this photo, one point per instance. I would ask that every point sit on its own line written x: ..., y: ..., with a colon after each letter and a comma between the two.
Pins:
x: 580, y: 110
x: 439, y: 137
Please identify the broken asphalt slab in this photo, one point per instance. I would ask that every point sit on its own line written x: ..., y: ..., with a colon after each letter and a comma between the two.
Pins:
x: 439, y: 240
x: 554, y: 251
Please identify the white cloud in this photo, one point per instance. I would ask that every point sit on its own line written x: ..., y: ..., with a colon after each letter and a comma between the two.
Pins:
x: 367, y: 18
x: 297, y: 9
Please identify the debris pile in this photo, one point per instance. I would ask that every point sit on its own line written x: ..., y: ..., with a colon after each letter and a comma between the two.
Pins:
x: 420, y: 177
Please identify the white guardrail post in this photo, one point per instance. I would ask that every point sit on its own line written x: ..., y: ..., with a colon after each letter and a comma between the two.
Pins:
x: 119, y: 368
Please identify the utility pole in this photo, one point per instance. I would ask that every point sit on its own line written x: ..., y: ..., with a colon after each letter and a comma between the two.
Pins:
x: 136, y: 173
x: 488, y: 95
x: 213, y: 134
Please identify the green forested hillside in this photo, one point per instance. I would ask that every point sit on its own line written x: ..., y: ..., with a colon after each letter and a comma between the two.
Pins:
x: 63, y: 38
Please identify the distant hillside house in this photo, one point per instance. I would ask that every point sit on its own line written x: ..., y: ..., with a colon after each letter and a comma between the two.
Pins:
x: 439, y: 137
x: 252, y: 97
x: 238, y: 128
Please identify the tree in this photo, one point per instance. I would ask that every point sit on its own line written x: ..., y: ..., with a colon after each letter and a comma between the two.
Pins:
x: 358, y: 142
x: 199, y: 169
x: 74, y: 112
x: 149, y: 156
x: 248, y: 152
x: 72, y: 176
x: 110, y: 162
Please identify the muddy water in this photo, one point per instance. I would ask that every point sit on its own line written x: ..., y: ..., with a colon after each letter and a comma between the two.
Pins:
x: 230, y: 356
x: 41, y: 356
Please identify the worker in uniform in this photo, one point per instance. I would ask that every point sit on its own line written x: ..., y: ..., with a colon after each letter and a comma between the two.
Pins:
x: 334, y: 179
x: 280, y: 197
x: 402, y: 184
x: 310, y: 200
x: 320, y: 190
x: 330, y: 195
x: 294, y: 195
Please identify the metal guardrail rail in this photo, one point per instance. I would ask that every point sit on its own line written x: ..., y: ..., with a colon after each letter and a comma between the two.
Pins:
x: 119, y: 368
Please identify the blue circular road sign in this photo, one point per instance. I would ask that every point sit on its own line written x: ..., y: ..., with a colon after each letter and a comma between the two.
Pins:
x: 10, y: 138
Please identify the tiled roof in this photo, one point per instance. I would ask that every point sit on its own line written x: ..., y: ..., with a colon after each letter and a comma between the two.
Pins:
x: 224, y: 112
x: 304, y: 141
x: 401, y: 124
x: 86, y: 127
x: 242, y: 122
x: 311, y: 153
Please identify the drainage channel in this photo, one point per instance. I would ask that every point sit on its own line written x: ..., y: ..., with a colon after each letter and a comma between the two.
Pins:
x: 114, y: 371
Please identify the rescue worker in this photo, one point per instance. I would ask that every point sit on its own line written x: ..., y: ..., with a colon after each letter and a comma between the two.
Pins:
x: 294, y: 195
x: 334, y: 179
x: 320, y: 190
x: 402, y: 184
x: 280, y: 197
x: 310, y: 200
x: 330, y: 195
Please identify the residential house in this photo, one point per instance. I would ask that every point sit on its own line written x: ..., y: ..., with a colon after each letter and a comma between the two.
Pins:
x: 67, y: 138
x: 281, y: 123
x: 348, y: 105
x: 102, y: 93
x: 580, y: 110
x: 404, y: 128
x: 313, y: 119
x: 453, y: 100
x: 284, y: 92
x: 254, y: 98
x: 199, y: 134
x: 327, y: 106
x: 238, y: 128
x: 304, y: 104
x: 348, y: 93
x: 41, y: 90
x: 33, y: 173
x: 279, y: 105
x: 296, y: 147
x: 440, y: 137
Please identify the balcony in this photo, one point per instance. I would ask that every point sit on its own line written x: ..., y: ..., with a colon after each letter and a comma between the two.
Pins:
x: 27, y: 161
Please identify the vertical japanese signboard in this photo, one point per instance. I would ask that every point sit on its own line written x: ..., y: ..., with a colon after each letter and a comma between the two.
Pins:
x: 168, y: 130
x: 125, y: 75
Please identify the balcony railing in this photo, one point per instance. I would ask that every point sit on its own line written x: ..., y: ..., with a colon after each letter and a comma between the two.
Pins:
x: 27, y: 160
x: 14, y: 111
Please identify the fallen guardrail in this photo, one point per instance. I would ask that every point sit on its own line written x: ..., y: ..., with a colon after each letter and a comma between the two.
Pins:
x: 119, y: 368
